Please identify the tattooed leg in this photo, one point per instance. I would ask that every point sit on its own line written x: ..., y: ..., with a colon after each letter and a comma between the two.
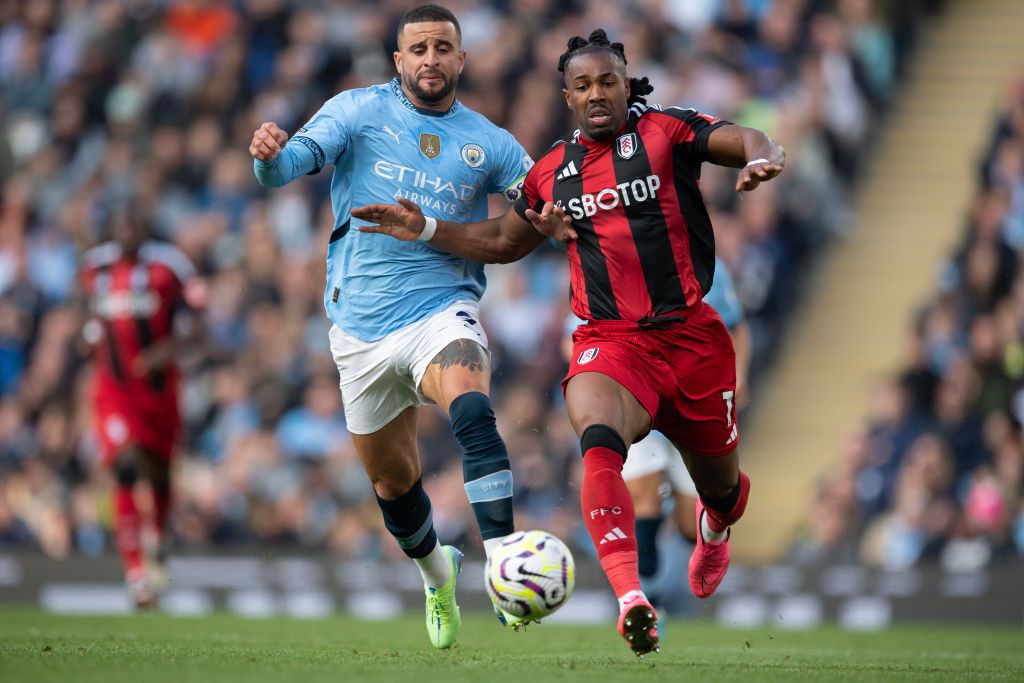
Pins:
x: 459, y: 377
x: 465, y: 353
x: 461, y: 367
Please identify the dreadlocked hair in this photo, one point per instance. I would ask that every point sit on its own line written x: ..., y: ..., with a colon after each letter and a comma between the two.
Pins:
x: 638, y: 88
x: 598, y: 40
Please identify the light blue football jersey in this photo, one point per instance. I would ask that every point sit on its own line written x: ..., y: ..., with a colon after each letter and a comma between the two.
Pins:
x: 722, y: 296
x: 383, y: 147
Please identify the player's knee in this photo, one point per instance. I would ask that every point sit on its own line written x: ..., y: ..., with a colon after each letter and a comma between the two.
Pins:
x: 602, y: 436
x: 390, y: 487
x: 470, y: 409
x: 473, y: 422
x: 126, y: 469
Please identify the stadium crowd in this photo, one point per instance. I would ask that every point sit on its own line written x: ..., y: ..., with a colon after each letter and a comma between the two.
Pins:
x: 158, y: 99
x: 936, y: 470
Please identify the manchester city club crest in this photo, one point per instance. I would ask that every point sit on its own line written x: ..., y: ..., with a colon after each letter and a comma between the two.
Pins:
x: 626, y: 145
x: 473, y: 155
x: 587, y: 356
x: 430, y: 145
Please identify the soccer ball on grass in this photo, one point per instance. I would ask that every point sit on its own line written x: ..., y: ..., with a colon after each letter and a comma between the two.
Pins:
x: 531, y: 574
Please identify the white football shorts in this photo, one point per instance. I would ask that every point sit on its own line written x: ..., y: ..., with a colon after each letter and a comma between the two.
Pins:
x: 655, y: 453
x: 380, y: 379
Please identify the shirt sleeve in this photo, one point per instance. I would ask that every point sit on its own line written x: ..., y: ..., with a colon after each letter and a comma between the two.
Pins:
x: 529, y: 194
x: 689, y: 128
x: 323, y: 139
x: 509, y: 169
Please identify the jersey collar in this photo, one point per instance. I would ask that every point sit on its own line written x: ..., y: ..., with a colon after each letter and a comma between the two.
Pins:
x: 396, y: 88
x: 579, y: 138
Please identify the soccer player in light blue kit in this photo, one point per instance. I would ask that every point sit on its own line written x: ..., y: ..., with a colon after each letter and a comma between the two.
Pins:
x: 405, y: 316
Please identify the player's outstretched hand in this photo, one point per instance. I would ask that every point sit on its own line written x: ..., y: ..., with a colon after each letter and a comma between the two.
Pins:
x: 552, y: 222
x: 403, y: 221
x: 753, y: 175
x: 267, y: 141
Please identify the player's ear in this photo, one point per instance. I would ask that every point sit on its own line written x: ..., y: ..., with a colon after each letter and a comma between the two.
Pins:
x: 568, y: 102
x: 462, y: 60
x: 398, y: 61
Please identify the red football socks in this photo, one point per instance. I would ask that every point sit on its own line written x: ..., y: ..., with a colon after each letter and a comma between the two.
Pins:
x: 719, y: 520
x: 608, y: 515
x: 126, y: 528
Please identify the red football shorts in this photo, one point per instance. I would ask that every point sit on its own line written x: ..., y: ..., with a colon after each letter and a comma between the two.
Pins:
x: 683, y: 374
x: 147, y: 419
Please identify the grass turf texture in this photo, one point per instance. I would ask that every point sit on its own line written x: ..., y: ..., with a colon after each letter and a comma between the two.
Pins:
x: 36, y: 647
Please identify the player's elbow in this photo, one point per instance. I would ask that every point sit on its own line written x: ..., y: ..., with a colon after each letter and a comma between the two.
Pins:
x: 506, y: 257
x: 268, y: 175
x: 270, y: 181
x: 510, y: 252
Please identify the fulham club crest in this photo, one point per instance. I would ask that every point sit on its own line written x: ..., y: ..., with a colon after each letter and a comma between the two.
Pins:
x: 587, y: 356
x: 626, y: 145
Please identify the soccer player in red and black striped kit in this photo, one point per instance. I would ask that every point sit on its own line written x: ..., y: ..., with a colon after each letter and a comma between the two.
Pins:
x: 624, y: 194
x: 135, y: 290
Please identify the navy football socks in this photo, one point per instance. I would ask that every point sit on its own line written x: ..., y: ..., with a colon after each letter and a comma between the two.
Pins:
x: 485, y: 466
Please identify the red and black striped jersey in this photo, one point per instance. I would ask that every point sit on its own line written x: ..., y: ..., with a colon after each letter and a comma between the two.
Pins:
x: 133, y: 301
x: 645, y: 247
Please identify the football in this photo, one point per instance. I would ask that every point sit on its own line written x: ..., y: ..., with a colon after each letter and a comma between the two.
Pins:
x: 531, y: 574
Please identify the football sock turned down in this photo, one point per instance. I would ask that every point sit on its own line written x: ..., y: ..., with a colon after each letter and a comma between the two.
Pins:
x: 485, y: 466
x: 608, y: 507
x: 721, y: 513
x: 409, y: 520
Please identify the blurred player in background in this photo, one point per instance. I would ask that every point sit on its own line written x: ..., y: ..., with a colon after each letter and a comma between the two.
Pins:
x: 139, y: 293
x: 406, y: 326
x: 624, y: 192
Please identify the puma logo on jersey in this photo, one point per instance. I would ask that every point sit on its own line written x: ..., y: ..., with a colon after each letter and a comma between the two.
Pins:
x: 627, y: 193
x: 387, y: 129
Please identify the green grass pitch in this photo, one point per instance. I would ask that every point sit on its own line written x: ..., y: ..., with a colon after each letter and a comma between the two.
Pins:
x: 36, y: 648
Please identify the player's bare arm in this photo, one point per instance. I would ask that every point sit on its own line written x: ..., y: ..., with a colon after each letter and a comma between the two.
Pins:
x: 749, y: 149
x: 495, y: 240
x: 743, y: 344
x: 267, y: 141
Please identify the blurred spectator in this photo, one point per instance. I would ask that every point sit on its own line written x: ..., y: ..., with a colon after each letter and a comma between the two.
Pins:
x: 941, y: 475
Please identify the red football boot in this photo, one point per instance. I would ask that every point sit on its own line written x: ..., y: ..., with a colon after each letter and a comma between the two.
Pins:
x: 638, y: 624
x: 709, y: 562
